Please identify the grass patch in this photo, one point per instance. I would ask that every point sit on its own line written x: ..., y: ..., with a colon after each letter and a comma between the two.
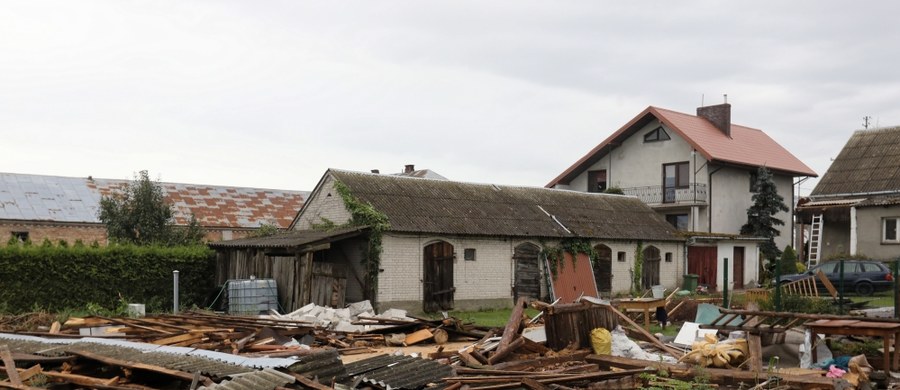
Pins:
x: 880, y: 299
x: 670, y: 330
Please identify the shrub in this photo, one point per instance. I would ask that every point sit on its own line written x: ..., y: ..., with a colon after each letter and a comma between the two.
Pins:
x: 56, y: 278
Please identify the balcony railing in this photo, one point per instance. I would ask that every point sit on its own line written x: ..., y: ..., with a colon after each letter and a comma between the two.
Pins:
x: 694, y: 193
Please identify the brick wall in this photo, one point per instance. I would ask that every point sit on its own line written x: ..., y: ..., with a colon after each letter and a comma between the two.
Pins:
x: 325, y: 204
x: 490, y: 276
x: 37, y: 232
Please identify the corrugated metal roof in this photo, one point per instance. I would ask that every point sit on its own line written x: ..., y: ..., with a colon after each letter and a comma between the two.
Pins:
x: 290, y: 239
x: 399, y: 371
x: 77, y: 200
x: 451, y: 207
x: 325, y: 366
x: 267, y: 379
x: 869, y: 162
x: 831, y: 202
x: 746, y: 146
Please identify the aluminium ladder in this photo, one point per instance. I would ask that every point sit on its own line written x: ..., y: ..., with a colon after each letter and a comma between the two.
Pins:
x: 815, y: 239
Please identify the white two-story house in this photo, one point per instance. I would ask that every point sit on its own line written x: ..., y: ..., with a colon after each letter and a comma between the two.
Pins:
x: 699, y: 172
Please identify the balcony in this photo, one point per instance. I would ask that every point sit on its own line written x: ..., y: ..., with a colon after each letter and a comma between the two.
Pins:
x: 692, y: 195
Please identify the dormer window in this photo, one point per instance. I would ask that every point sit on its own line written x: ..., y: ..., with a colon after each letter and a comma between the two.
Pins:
x: 657, y: 134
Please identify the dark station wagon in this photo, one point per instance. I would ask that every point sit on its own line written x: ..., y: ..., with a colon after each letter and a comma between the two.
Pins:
x: 862, y: 276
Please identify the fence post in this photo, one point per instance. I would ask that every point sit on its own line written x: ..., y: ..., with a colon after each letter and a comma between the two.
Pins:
x: 841, y: 287
x: 896, y: 270
x: 175, y: 292
x: 778, y: 284
x: 725, y: 286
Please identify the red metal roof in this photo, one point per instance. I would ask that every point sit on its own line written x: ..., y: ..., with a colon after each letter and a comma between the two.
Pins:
x: 746, y: 146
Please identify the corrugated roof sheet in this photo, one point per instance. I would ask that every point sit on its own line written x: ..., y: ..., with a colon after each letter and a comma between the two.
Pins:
x: 77, y: 200
x: 746, y: 146
x: 451, y: 207
x: 290, y: 239
x: 869, y: 162
x: 399, y: 371
x: 267, y: 379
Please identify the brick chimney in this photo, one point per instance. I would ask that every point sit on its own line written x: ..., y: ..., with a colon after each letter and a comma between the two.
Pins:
x: 409, y: 168
x: 719, y: 115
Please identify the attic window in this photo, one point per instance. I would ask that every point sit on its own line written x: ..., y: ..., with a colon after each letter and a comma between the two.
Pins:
x: 657, y: 134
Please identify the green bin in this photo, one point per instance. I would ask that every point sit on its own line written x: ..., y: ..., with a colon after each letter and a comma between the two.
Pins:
x: 690, y: 282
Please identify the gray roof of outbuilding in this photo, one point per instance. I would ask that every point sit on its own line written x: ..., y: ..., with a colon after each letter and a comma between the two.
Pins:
x: 451, y: 207
x: 868, y: 163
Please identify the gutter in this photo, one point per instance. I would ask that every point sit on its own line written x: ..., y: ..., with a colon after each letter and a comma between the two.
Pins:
x: 887, y: 192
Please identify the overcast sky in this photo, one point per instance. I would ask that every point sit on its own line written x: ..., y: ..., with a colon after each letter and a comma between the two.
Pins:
x: 271, y: 93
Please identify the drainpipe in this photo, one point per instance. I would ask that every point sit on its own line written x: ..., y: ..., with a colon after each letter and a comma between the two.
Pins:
x: 709, y: 208
x: 853, y: 231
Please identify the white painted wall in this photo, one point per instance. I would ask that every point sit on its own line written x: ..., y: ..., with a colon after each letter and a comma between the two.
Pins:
x: 731, y: 197
x: 869, y: 232
x: 491, y: 275
x: 751, y: 262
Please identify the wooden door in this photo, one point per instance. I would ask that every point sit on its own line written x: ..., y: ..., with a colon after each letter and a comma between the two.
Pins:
x: 603, y: 268
x: 438, y: 286
x: 737, y: 265
x: 650, y: 269
x: 528, y: 272
x: 702, y: 262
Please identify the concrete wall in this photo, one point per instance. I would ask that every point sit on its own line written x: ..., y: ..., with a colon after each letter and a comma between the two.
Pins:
x: 326, y: 204
x: 869, y: 232
x: 731, y: 197
x: 836, y: 239
x: 751, y: 262
x: 488, y: 281
x: 39, y: 231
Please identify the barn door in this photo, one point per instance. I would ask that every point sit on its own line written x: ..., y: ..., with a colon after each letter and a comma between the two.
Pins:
x: 438, y: 281
x: 702, y: 262
x: 603, y: 268
x: 738, y: 266
x: 650, y: 270
x: 528, y: 274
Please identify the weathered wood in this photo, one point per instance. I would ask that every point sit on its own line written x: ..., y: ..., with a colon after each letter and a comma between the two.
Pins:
x: 716, y: 375
x: 10, y: 364
x: 594, y: 376
x: 440, y: 336
x: 513, y: 325
x: 755, y: 359
x: 503, y: 353
x: 470, y: 361
x: 541, y: 362
x: 185, y: 376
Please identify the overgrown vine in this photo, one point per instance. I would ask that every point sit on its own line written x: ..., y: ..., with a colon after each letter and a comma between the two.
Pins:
x: 364, y: 214
x: 637, y: 272
x: 555, y: 255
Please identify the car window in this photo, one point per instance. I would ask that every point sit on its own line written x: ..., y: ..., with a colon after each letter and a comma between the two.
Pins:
x: 869, y: 267
x: 827, y: 268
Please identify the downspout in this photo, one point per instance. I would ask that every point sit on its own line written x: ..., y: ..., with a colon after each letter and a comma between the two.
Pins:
x: 710, y: 208
x: 852, y: 231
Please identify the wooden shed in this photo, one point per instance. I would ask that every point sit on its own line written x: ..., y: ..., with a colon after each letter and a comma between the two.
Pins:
x: 315, y: 266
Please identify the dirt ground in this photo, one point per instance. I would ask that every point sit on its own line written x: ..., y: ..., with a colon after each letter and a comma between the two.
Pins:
x: 423, y: 350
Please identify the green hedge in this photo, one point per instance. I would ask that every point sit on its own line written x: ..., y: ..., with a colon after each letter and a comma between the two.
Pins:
x: 58, y: 278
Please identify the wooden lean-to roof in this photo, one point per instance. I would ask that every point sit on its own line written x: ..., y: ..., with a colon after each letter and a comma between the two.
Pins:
x: 428, y: 206
x: 745, y: 147
x: 868, y: 164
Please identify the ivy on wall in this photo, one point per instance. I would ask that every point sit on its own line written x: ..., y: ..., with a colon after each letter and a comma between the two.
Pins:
x: 364, y: 214
x: 637, y: 271
x: 555, y: 255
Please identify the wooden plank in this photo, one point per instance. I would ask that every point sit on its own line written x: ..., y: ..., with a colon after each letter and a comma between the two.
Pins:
x: 10, y: 365
x: 828, y: 286
x: 513, y: 325
x: 177, y: 339
x: 185, y: 376
x: 418, y: 336
x: 30, y: 372
x: 755, y: 358
x: 501, y: 354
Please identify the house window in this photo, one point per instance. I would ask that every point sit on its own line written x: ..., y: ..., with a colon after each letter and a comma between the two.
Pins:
x: 469, y: 254
x: 657, y: 134
x: 20, y: 236
x: 675, y: 176
x: 754, y: 177
x: 668, y: 257
x: 597, y: 181
x: 620, y: 257
x: 889, y: 230
x: 680, y: 221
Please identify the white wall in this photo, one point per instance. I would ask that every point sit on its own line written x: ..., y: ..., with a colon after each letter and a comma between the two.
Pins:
x: 491, y: 275
x: 751, y: 262
x: 869, y: 232
x: 731, y: 197
x: 325, y: 204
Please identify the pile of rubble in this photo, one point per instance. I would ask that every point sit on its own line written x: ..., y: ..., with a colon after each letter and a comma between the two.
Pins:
x: 357, y: 317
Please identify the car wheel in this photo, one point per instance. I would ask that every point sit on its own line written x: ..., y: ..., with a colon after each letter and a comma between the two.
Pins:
x: 865, y: 288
